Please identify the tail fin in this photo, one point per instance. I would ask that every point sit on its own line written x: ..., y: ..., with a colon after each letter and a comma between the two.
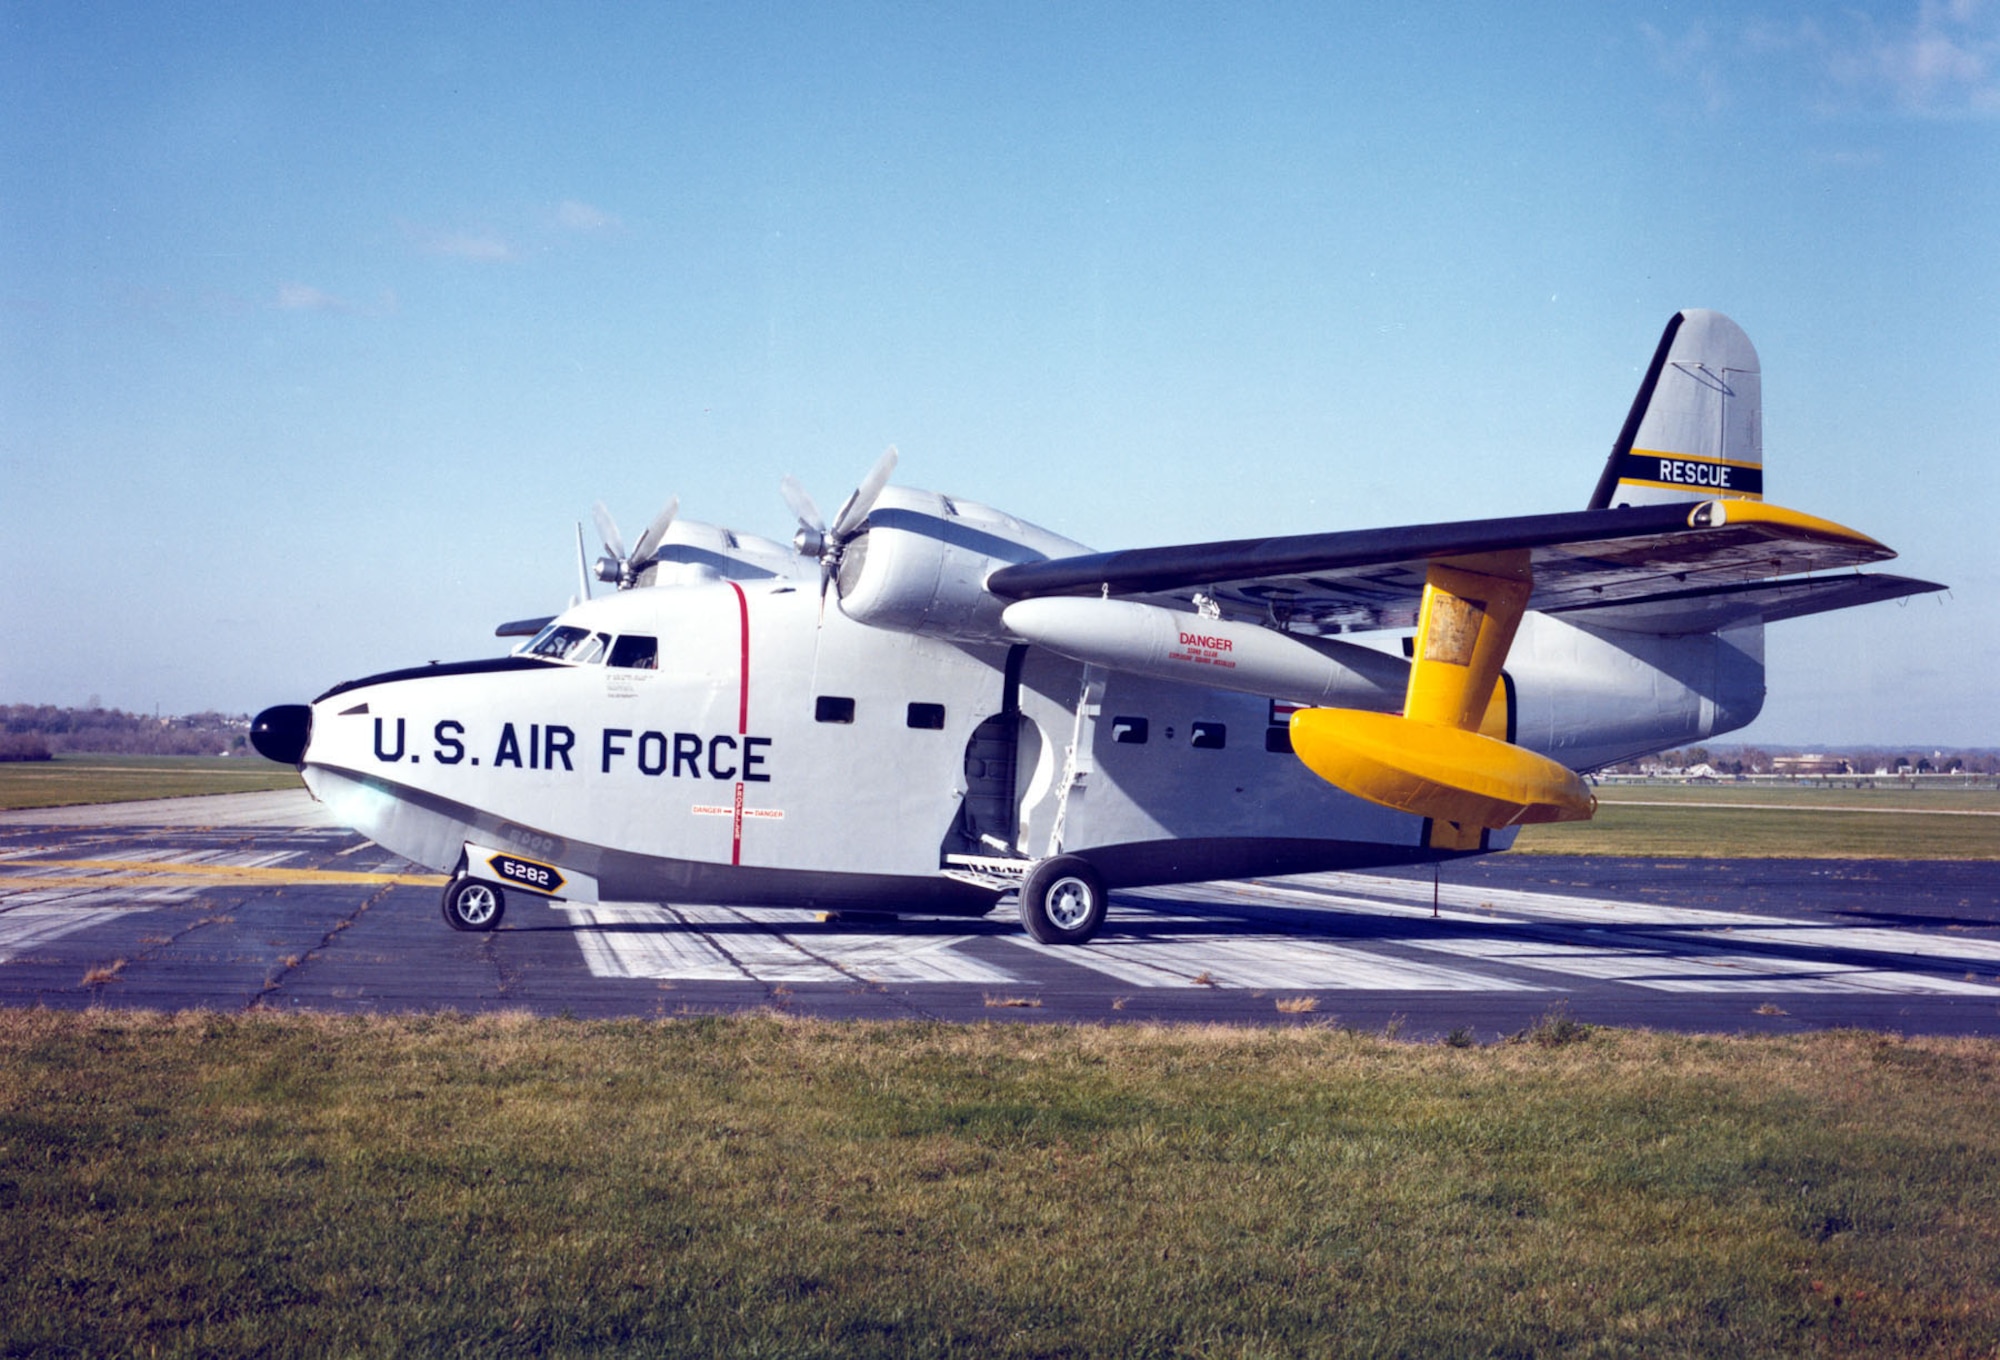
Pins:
x: 1696, y: 429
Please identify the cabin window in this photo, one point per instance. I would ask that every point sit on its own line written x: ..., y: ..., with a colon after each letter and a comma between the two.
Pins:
x: 1209, y: 736
x: 636, y: 652
x: 930, y: 716
x: 1128, y: 731
x: 590, y: 650
x: 1278, y: 740
x: 832, y: 708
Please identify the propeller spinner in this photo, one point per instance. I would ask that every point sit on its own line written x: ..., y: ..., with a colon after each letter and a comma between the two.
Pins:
x: 815, y: 537
x: 617, y: 565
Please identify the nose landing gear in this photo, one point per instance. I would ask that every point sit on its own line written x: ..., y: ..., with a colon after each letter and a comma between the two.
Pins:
x: 473, y: 904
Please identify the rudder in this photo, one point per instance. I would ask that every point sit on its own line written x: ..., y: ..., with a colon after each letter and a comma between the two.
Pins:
x: 1696, y: 429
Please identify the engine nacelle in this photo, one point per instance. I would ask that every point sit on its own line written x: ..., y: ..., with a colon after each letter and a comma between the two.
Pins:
x: 922, y: 560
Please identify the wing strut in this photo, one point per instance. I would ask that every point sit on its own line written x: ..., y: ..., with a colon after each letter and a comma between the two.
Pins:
x: 1433, y: 759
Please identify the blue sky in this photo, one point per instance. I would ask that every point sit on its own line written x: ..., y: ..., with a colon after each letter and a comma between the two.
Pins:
x: 319, y: 329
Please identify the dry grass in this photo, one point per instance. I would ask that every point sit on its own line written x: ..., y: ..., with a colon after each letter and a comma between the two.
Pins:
x: 1298, y: 1005
x: 210, y: 1185
x: 1005, y: 1002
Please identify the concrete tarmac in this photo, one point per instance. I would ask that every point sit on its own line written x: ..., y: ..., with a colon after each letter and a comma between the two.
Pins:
x: 255, y: 901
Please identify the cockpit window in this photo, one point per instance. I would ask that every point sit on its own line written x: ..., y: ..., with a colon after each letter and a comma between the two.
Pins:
x: 636, y: 651
x: 556, y: 642
x: 581, y: 647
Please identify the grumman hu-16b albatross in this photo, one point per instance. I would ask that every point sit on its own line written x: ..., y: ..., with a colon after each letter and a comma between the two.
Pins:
x: 928, y: 704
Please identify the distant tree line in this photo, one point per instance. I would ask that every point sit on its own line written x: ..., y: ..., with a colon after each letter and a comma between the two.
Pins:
x: 42, y: 731
x: 1858, y: 760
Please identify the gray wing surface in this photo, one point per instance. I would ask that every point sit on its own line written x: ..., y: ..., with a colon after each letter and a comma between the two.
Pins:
x: 1659, y: 568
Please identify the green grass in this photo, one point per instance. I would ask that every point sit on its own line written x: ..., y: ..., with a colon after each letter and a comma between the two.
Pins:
x: 1811, y: 831
x: 70, y: 780
x: 1809, y: 822
x: 759, y: 1186
x: 1885, y: 794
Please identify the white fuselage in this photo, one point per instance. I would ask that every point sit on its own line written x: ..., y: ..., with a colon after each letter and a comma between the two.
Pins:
x: 749, y: 741
x: 781, y: 750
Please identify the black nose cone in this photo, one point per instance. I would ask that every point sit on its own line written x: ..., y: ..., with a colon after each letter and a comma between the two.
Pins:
x: 281, y: 733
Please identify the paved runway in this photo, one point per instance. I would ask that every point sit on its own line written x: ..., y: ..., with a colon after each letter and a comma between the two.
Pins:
x: 255, y: 901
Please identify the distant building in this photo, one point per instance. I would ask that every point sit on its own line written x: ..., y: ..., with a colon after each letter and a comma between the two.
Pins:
x: 1809, y: 765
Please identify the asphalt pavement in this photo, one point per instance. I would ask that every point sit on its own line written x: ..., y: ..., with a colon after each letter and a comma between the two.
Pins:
x: 256, y: 901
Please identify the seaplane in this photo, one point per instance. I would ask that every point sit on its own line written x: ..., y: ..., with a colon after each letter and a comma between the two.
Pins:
x: 925, y: 705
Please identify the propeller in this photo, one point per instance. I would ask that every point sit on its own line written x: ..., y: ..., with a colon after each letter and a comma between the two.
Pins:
x: 815, y: 537
x: 619, y: 566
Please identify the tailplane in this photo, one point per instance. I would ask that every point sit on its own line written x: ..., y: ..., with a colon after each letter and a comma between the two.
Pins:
x: 1696, y: 429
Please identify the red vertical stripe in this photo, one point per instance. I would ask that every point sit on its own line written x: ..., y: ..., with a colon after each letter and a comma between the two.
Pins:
x: 743, y: 685
x: 742, y: 715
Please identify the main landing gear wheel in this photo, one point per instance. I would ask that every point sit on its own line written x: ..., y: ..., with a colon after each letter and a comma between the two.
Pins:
x: 1063, y: 900
x: 473, y: 904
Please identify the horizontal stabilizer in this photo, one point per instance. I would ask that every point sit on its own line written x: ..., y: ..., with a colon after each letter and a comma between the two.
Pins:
x: 1706, y: 610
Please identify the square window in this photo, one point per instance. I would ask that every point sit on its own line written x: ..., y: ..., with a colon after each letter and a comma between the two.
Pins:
x: 929, y: 716
x: 636, y: 652
x: 1129, y: 731
x: 1278, y: 740
x: 1209, y: 736
x: 833, y: 708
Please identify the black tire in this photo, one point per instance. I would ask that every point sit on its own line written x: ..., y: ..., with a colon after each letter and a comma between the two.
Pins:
x: 1063, y: 900
x: 473, y: 904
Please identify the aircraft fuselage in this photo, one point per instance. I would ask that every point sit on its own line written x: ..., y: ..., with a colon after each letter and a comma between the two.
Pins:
x: 777, y: 750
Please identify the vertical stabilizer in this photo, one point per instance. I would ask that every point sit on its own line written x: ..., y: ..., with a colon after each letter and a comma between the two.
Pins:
x: 1696, y: 429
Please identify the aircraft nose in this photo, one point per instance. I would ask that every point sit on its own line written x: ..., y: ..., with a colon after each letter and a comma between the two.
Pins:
x: 281, y: 733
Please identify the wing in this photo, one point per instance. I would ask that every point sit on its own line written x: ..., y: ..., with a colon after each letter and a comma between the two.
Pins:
x: 1647, y: 565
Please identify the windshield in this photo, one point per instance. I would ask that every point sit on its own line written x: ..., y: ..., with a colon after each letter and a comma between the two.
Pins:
x: 582, y: 647
x: 556, y: 642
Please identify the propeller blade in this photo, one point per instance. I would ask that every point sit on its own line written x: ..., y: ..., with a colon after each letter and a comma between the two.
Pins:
x: 657, y: 530
x: 582, y: 565
x: 863, y: 500
x: 801, y: 504
x: 607, y: 529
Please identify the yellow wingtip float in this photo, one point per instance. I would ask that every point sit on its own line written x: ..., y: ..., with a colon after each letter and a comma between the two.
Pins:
x: 1432, y: 759
x: 1443, y: 773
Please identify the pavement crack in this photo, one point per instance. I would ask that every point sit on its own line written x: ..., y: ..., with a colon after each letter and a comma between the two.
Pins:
x: 292, y: 963
x: 901, y: 999
x: 490, y: 952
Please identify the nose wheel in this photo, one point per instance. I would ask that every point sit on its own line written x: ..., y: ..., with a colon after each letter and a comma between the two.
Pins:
x: 1063, y: 900
x: 473, y: 904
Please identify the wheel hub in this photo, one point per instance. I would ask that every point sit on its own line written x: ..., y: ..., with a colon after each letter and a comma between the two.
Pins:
x: 1069, y: 903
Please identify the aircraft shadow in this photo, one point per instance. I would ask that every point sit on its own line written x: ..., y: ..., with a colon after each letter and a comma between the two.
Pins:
x: 1177, y: 923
